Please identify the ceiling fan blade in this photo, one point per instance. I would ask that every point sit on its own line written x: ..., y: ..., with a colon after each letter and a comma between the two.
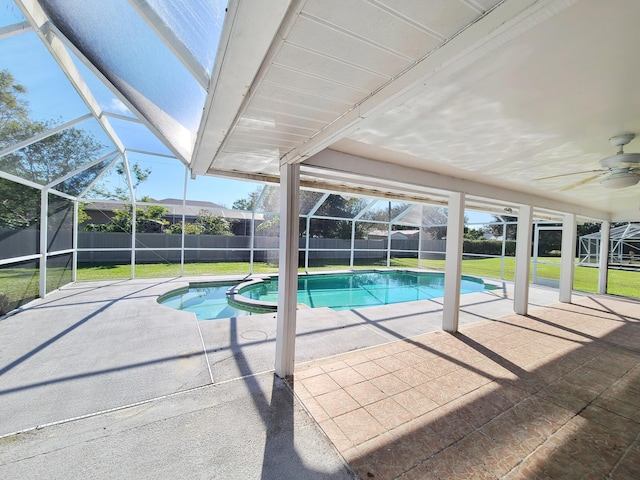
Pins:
x: 572, y: 173
x: 583, y: 181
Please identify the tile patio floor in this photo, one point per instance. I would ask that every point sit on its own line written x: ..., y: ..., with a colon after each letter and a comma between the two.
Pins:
x: 555, y: 394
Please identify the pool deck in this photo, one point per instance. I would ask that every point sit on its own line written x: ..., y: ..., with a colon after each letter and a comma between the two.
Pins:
x: 100, y: 381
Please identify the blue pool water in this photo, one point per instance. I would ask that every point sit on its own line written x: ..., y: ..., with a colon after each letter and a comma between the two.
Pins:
x: 337, y: 291
x: 346, y: 291
x: 208, y: 302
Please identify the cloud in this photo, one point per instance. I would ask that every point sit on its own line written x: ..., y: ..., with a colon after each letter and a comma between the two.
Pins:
x: 116, y: 106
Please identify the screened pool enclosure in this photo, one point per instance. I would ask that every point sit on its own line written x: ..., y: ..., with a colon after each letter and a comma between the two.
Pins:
x: 111, y: 156
x: 624, y: 247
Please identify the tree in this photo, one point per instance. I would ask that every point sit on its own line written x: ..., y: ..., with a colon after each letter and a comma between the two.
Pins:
x: 41, y: 162
x: 247, y: 203
x: 473, y: 233
x: 14, y: 108
x: 587, y: 228
x: 19, y: 206
x: 138, y: 175
x: 189, y: 229
x: 213, y: 225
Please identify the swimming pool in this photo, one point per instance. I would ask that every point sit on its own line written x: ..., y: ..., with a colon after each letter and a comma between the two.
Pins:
x: 207, y: 301
x: 338, y: 291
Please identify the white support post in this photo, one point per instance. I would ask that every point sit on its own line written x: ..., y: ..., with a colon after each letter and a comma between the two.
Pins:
x: 44, y: 227
x: 74, y: 262
x: 523, y: 260
x: 603, y: 268
x: 568, y: 257
x: 288, y: 269
x: 453, y: 262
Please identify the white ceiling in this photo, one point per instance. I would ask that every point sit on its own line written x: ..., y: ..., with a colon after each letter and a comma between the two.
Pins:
x: 527, y: 89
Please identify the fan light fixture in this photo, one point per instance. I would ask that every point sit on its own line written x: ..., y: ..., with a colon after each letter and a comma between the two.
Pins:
x: 622, y: 169
x: 620, y: 180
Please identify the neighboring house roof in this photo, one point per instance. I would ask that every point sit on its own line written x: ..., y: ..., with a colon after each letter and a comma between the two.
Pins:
x: 394, y: 233
x: 192, y: 208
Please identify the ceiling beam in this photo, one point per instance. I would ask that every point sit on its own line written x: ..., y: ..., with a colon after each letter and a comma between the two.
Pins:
x: 248, y: 32
x: 338, y: 162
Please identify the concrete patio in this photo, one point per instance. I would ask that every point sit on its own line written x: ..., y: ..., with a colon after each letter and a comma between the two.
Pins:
x: 100, y: 381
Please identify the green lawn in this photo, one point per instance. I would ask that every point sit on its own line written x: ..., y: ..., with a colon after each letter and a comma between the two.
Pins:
x: 585, y: 278
x: 21, y: 284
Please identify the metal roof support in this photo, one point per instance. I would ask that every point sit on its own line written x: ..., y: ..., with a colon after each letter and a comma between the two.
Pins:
x: 62, y: 194
x: 453, y: 262
x: 173, y: 43
x: 568, y: 257
x: 403, y: 213
x: 52, y: 40
x: 14, y: 29
x: 43, y: 135
x: 603, y: 268
x: 80, y: 169
x: 523, y: 260
x: 353, y: 230
x: 263, y: 192
x: 288, y: 270
x: 312, y: 212
x: 132, y: 192
x: 100, y: 175
x: 184, y: 218
x: 20, y: 180
x: 153, y: 154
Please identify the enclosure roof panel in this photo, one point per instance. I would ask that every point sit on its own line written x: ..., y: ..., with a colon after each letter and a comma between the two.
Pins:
x: 156, y: 55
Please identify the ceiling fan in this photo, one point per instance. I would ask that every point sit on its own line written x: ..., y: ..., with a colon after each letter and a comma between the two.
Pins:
x: 619, y: 171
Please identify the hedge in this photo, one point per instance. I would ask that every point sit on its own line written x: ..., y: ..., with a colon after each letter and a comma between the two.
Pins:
x: 489, y: 247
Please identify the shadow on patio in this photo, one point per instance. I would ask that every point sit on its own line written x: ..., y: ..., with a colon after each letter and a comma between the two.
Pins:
x: 550, y: 395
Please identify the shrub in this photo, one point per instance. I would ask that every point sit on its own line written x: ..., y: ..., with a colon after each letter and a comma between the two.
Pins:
x: 489, y: 247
